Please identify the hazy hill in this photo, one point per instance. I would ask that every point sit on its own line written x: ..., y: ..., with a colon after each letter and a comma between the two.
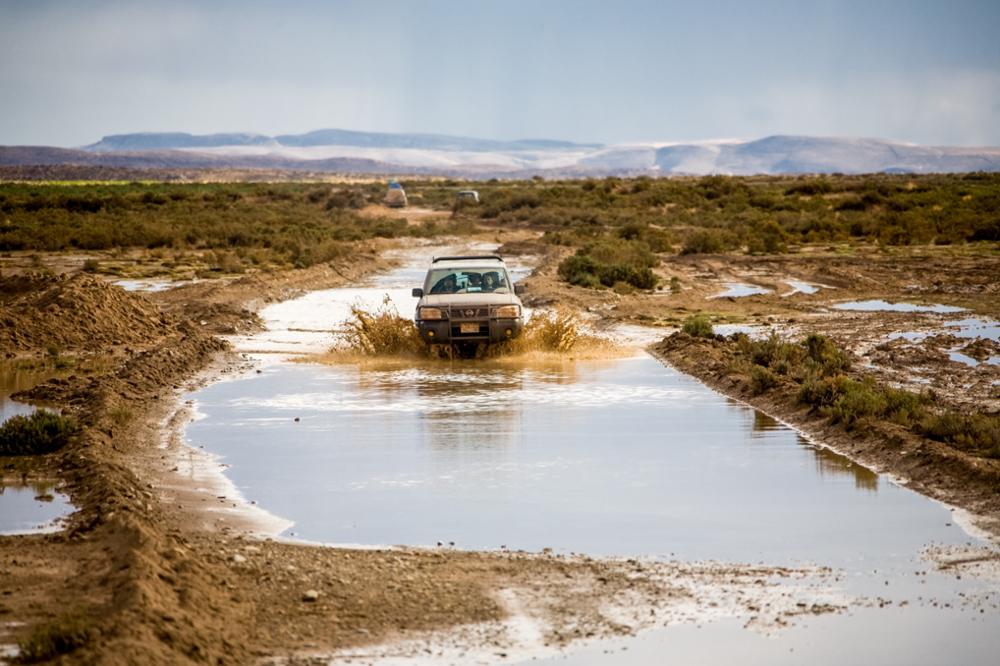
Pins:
x: 385, y: 153
x: 323, y: 137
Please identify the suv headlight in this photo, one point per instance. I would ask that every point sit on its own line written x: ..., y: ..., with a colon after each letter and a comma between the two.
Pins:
x: 508, y: 312
x: 430, y: 313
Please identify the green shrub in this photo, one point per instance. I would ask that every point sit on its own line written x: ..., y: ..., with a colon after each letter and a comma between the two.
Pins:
x: 974, y: 432
x: 825, y: 355
x: 342, y: 199
x: 698, y: 326
x: 767, y: 238
x: 904, y: 407
x: 858, y: 400
x: 820, y: 391
x: 709, y: 241
x: 609, y: 261
x: 38, y: 433
x: 772, y: 351
x: 810, y: 187
x: 762, y: 379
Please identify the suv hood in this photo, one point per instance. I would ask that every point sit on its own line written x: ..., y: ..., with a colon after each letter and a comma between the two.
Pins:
x: 474, y: 298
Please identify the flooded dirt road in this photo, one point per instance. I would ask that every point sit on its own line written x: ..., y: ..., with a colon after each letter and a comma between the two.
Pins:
x: 622, y: 458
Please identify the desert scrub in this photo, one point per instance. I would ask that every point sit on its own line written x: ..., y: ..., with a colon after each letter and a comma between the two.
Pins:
x: 857, y: 400
x: 290, y: 223
x: 698, y: 326
x: 609, y: 261
x: 60, y: 636
x: 762, y: 380
x: 818, y: 368
x: 38, y: 433
x: 710, y: 241
x: 979, y: 433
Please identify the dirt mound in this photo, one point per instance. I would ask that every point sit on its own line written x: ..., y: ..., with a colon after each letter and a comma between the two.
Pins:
x: 75, y: 313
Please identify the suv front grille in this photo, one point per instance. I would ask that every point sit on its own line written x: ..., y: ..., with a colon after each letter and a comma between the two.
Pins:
x: 468, y: 312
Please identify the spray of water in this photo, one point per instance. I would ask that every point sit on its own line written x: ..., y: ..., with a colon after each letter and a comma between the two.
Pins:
x: 382, y: 336
x: 380, y: 332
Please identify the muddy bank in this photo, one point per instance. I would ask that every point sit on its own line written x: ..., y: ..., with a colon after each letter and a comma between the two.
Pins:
x: 930, y: 467
x: 112, y: 568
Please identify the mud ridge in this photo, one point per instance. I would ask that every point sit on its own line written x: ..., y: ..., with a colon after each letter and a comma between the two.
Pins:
x: 929, y: 467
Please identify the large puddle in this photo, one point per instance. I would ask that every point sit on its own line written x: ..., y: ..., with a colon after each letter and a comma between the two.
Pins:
x: 621, y: 458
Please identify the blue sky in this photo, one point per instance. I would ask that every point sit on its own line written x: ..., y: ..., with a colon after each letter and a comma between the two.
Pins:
x: 612, y: 72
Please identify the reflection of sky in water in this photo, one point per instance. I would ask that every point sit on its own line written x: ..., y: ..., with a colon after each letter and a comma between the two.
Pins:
x: 738, y: 290
x: 624, y: 457
x: 22, y: 513
x: 967, y: 329
x: 974, y: 328
x: 801, y: 287
x: 150, y: 285
x: 911, y: 636
x: 885, y: 306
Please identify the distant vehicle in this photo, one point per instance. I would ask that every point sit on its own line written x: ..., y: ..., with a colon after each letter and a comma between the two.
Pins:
x: 467, y: 196
x: 396, y: 196
x: 467, y: 302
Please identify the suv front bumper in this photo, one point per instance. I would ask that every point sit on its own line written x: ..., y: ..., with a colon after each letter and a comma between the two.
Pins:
x: 443, y: 331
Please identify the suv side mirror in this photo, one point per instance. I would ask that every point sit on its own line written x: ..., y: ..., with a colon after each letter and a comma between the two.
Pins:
x: 417, y: 292
x: 518, y: 289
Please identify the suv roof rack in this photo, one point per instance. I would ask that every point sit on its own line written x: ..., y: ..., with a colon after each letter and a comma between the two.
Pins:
x: 468, y: 258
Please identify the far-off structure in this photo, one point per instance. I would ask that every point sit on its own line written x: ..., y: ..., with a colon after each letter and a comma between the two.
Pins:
x: 395, y: 197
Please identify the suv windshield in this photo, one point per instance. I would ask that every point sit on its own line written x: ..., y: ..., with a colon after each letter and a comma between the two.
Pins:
x: 467, y: 280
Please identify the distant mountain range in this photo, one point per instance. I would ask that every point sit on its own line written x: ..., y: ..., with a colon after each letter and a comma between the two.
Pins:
x: 345, y: 151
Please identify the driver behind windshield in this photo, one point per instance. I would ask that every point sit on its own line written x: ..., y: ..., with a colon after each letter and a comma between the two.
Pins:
x: 446, y: 285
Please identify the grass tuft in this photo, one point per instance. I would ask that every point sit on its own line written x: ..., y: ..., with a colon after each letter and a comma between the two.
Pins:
x: 60, y: 636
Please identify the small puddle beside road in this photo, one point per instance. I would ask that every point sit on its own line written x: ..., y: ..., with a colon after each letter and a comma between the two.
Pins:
x: 740, y: 290
x: 620, y: 457
x: 31, y: 508
x: 26, y: 507
x: 149, y: 285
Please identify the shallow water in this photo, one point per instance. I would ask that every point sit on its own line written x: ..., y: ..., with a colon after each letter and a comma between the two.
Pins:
x: 149, y: 284
x: 887, y: 636
x: 739, y: 290
x: 878, y: 305
x: 971, y: 362
x: 624, y: 457
x: 801, y: 287
x: 973, y: 327
x: 14, y: 379
x: 31, y: 508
